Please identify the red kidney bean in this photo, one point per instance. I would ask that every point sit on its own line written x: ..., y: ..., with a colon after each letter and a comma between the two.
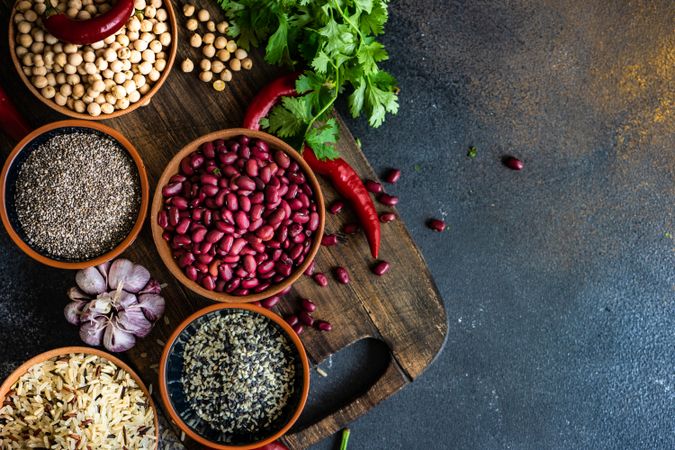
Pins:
x: 209, y: 150
x: 249, y: 283
x: 299, y: 329
x: 299, y: 217
x: 308, y: 305
x: 256, y: 212
x: 309, y: 271
x: 342, y: 275
x: 225, y: 227
x: 282, y: 159
x: 199, y: 234
x: 204, y: 247
x: 298, y: 239
x: 255, y: 224
x: 186, y: 167
x: 267, y: 275
x: 277, y: 217
x: 336, y: 207
x: 206, y: 259
x: 225, y: 272
x: 270, y: 302
x: 322, y: 325
x: 209, y: 190
x: 172, y: 189
x: 220, y: 198
x: 386, y: 199
x: 306, y: 318
x: 166, y: 236
x: 241, y: 219
x: 292, y: 191
x: 196, y: 160
x: 262, y: 287
x: 213, y: 268
x: 232, y: 285
x: 392, y: 176
x: 226, y: 242
x: 295, y: 251
x: 436, y: 225
x: 245, y: 182
x: 207, y: 178
x: 249, y: 264
x: 292, y: 319
x: 381, y: 268
x: 328, y: 240
x: 231, y: 259
x: 214, y: 236
x: 387, y: 217
x: 513, y: 163
x: 295, y: 204
x: 181, y: 239
x: 227, y: 158
x: 174, y: 216
x: 350, y: 228
x: 251, y: 167
x: 283, y: 269
x: 304, y: 199
x: 265, y: 232
x: 220, y: 286
x: 183, y: 225
x: 191, y: 273
x: 373, y: 186
x: 320, y: 279
x: 185, y: 260
x: 163, y: 219
x: 208, y: 282
x: 227, y: 215
x: 178, y: 178
x: 179, y: 202
x: 272, y: 194
x: 266, y: 266
x: 313, y: 223
x: 244, y: 203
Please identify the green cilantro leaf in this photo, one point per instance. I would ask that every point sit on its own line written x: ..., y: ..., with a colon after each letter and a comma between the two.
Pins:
x: 321, y: 137
x: 277, y: 46
x: 472, y: 152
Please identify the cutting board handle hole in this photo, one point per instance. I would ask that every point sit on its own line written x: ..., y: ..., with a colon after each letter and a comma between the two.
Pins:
x: 351, y: 372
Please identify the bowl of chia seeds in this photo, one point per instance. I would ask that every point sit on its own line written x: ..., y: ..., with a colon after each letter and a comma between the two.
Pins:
x: 234, y: 376
x: 74, y: 194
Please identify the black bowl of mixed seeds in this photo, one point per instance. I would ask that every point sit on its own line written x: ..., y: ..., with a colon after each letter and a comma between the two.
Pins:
x: 74, y: 194
x: 234, y: 376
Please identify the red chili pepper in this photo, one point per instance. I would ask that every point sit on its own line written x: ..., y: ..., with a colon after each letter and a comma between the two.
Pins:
x: 344, y: 178
x: 11, y: 122
x: 276, y: 445
x: 84, y: 32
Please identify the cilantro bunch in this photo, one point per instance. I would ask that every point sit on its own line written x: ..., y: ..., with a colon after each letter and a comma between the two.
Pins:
x: 335, y: 40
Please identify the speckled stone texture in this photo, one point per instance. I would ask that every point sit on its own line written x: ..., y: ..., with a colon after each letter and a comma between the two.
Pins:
x: 558, y: 280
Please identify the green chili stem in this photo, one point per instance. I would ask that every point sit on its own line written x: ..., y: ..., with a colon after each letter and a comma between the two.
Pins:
x: 345, y: 439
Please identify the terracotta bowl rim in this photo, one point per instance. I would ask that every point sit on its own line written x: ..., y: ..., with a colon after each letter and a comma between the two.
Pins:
x: 164, y: 250
x: 144, y: 100
x: 61, y: 351
x: 295, y: 339
x: 119, y: 248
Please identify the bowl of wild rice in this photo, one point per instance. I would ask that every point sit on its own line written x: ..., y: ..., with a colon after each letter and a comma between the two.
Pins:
x: 234, y: 376
x: 74, y: 194
x: 76, y: 397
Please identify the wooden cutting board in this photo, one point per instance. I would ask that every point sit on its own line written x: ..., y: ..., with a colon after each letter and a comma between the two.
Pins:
x: 402, y: 308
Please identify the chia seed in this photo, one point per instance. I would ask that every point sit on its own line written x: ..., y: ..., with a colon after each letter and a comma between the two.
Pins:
x: 77, y: 196
x: 239, y: 373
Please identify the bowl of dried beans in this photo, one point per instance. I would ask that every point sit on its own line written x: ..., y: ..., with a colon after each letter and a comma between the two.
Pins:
x: 237, y: 215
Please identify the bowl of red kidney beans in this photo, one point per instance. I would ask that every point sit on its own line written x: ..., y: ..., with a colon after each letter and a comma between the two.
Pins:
x: 237, y: 215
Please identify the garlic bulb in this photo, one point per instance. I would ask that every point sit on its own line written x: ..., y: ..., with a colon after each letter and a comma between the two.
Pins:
x: 114, y: 303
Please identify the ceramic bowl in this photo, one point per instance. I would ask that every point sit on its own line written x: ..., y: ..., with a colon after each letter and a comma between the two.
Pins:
x: 173, y: 168
x: 144, y: 100
x: 63, y: 351
x: 173, y: 395
x: 10, y: 173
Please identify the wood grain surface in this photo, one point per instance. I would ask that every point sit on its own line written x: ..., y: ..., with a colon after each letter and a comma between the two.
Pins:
x: 402, y: 308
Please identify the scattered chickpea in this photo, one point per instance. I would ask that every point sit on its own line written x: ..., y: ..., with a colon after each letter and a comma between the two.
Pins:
x: 211, y: 25
x: 206, y: 76
x: 226, y: 75
x: 220, y: 42
x: 192, y: 24
x: 223, y: 55
x: 196, y: 40
x: 203, y: 15
x: 187, y: 65
x: 240, y: 53
x: 205, y: 64
x: 247, y: 63
x: 231, y: 46
x: 188, y: 10
x: 222, y: 27
x: 209, y: 38
x: 235, y: 65
x: 219, y: 85
x: 209, y: 51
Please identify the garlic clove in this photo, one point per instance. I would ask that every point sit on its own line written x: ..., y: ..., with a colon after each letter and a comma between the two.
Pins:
x: 126, y: 300
x: 104, y: 269
x: 89, y: 314
x: 133, y: 277
x: 152, y: 306
x: 90, y: 281
x: 133, y: 321
x: 91, y: 332
x: 115, y: 339
x: 73, y: 310
x: 153, y: 287
x: 76, y: 295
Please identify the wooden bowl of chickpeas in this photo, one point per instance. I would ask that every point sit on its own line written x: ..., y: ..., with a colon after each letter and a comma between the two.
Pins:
x: 102, y: 80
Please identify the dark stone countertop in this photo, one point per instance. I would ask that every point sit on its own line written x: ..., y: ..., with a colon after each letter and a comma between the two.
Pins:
x: 558, y: 280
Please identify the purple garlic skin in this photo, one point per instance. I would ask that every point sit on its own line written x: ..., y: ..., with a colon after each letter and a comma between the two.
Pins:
x: 114, y: 303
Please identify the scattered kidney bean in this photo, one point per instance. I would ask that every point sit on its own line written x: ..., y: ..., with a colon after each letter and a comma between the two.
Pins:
x: 308, y: 305
x: 350, y: 228
x: 387, y: 217
x: 306, y: 318
x: 392, y: 176
x: 309, y: 271
x: 328, y: 240
x: 270, y: 302
x: 513, y: 163
x: 322, y: 325
x: 387, y: 200
x: 320, y: 279
x: 381, y: 268
x: 342, y: 275
x: 436, y: 225
x: 373, y: 186
x: 336, y: 207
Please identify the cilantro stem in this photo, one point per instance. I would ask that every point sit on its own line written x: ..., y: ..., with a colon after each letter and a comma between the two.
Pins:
x: 348, y: 20
x: 329, y: 104
x: 345, y: 439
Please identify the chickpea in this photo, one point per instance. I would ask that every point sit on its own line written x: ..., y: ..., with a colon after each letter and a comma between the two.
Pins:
x: 89, y: 56
x: 93, y: 93
x: 220, y: 42
x: 75, y: 59
x: 226, y: 75
x: 209, y: 51
x: 77, y: 91
x: 223, y: 55
x: 107, y: 108
x: 50, y: 39
x: 119, y: 78
x: 116, y: 66
x: 69, y: 69
x: 109, y: 40
x: 155, y: 46
x: 94, y: 109
x: 73, y: 79
x: 98, y: 85
x: 38, y: 60
x: 83, y: 15
x: 126, y: 65
x: 205, y: 65
x: 160, y: 65
x: 60, y: 78
x: 231, y: 46
x: 154, y: 75
x: 70, y: 103
x: 81, y: 71
x: 219, y: 85
x: 37, y: 47
x: 147, y: 37
x: 107, y: 73
x: 39, y: 71
x: 211, y: 25
x: 188, y: 10
x: 31, y: 16
x: 79, y: 106
x: 133, y: 35
x: 139, y: 80
x: 109, y: 55
x: 25, y: 39
x: 235, y: 65
x: 135, y: 57
x: 206, y: 76
x: 203, y: 15
x: 72, y: 12
x: 39, y: 82
x: 209, y: 38
x: 161, y: 55
x: 159, y: 28
x: 139, y: 4
x: 60, y: 99
x: 40, y: 8
x: 165, y: 39
x: 87, y: 99
x: 114, y: 46
x: 134, y: 96
x: 145, y: 67
x: 140, y: 45
x: 21, y: 51
x: 217, y: 66
x: 77, y: 4
x: 247, y: 63
x: 156, y: 3
x: 100, y: 99
x: 122, y: 39
x: 187, y: 65
x: 122, y: 103
x: 134, y: 24
x: 109, y: 98
x: 124, y: 53
x: 162, y: 15
x: 222, y: 27
x: 240, y: 53
x: 92, y: 10
x: 150, y: 12
x: 129, y: 86
x: 119, y: 92
x: 90, y: 68
x: 104, y: 8
x: 23, y: 5
x: 18, y: 18
x: 27, y: 71
x: 48, y: 92
x: 51, y: 79
x: 24, y: 28
x: 128, y: 75
x: 196, y: 40
x: 48, y: 58
x: 97, y: 45
x: 148, y: 55
x: 146, y: 26
x: 101, y: 64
